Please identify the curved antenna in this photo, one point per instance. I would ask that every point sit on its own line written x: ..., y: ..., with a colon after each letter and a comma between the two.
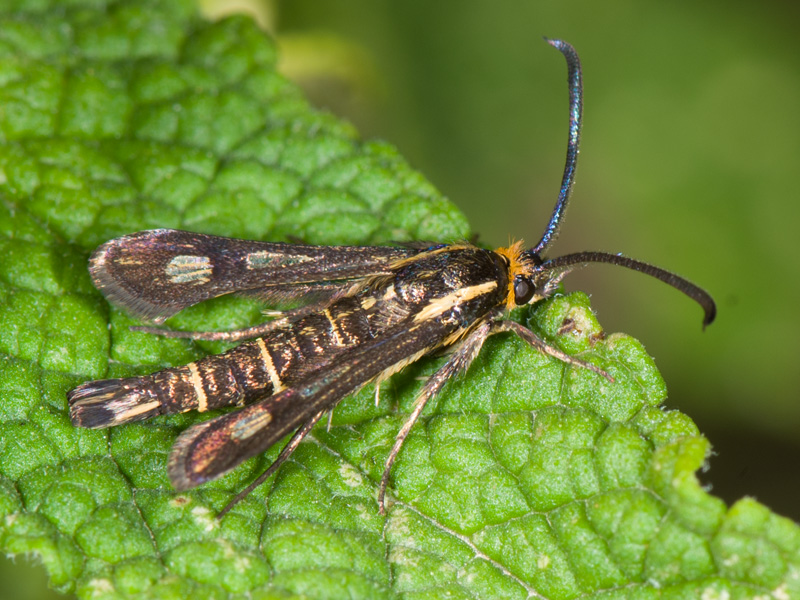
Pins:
x: 699, y: 295
x: 575, y: 81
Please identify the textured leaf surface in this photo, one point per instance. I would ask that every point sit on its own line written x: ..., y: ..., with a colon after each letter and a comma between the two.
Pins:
x: 525, y: 478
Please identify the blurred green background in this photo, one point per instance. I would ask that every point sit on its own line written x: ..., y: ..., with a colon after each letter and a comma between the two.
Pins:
x: 690, y: 155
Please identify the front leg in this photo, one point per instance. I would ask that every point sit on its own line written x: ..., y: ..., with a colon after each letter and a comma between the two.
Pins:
x: 281, y: 319
x: 543, y: 347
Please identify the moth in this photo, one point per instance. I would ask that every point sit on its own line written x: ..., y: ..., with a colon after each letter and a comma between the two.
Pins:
x: 357, y: 315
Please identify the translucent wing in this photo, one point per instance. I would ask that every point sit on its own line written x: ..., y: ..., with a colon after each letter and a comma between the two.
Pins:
x: 157, y: 273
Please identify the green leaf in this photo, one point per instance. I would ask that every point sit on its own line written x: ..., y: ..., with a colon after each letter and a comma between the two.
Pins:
x: 524, y: 478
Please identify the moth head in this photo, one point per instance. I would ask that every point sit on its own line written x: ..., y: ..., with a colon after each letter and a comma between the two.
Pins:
x: 526, y: 285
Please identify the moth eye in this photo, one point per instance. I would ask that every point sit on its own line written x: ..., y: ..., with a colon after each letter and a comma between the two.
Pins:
x: 523, y: 290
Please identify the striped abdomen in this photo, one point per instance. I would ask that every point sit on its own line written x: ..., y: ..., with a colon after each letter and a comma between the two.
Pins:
x: 255, y: 369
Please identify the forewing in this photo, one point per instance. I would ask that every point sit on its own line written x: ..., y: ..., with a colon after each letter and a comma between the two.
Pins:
x: 208, y: 450
x: 155, y: 274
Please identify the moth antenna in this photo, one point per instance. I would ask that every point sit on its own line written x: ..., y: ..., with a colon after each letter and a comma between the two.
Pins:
x: 562, y: 264
x: 575, y: 81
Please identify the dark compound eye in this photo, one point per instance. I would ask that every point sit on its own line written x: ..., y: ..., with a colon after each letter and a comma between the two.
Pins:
x: 523, y: 290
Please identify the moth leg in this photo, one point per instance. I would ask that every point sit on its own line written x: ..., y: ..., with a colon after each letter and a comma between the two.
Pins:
x: 290, y: 447
x: 233, y: 335
x: 246, y: 333
x: 459, y: 361
x: 543, y: 347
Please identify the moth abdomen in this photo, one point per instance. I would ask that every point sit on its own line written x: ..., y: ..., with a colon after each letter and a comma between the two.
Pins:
x: 251, y: 371
x: 234, y: 378
x: 109, y: 402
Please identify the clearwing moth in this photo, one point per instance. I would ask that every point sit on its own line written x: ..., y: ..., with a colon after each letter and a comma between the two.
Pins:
x: 365, y: 313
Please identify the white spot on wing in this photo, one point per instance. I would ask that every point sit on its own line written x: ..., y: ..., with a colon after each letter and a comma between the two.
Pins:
x: 189, y: 269
x: 265, y: 259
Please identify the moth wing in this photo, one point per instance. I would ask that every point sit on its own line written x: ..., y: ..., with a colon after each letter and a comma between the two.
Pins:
x: 155, y: 274
x: 208, y: 450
